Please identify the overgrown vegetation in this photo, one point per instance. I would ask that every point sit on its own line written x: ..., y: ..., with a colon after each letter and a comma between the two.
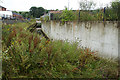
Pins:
x: 112, y: 13
x: 67, y: 15
x: 86, y: 14
x: 25, y: 55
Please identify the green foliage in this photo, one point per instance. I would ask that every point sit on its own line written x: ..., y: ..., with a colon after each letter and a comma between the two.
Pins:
x: 37, y: 11
x: 25, y: 14
x: 67, y: 15
x: 46, y: 18
x: 56, y: 16
x: 25, y: 55
x: 112, y: 13
x: 86, y: 16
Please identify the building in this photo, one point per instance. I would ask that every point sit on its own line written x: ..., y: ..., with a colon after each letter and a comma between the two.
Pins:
x: 2, y: 8
x: 5, y: 14
x: 51, y: 15
x: 17, y: 16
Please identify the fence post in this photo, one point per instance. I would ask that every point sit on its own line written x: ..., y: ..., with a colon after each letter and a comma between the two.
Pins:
x: 104, y: 13
x: 79, y: 16
x: 118, y: 11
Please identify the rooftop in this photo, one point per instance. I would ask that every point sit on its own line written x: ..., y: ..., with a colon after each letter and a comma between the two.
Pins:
x: 1, y: 6
x: 55, y: 11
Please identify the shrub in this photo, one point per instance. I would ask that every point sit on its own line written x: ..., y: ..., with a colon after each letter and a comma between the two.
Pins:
x: 46, y: 18
x: 112, y: 12
x: 67, y: 15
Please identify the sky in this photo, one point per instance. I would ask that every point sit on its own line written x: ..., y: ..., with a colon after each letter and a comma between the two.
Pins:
x: 25, y: 5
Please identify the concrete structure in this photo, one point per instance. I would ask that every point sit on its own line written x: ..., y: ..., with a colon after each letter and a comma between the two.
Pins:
x: 98, y: 36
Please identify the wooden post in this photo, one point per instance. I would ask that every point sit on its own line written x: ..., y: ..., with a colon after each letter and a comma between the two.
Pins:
x: 104, y: 13
x: 79, y: 16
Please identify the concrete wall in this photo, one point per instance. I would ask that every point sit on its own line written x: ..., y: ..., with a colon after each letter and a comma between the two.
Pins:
x: 98, y: 36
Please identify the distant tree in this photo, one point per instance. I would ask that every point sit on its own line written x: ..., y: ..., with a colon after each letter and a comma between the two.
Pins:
x: 15, y: 11
x: 25, y: 14
x: 86, y: 5
x: 20, y: 12
x: 57, y: 9
x: 46, y: 11
x: 33, y: 11
x: 37, y: 11
x: 41, y: 11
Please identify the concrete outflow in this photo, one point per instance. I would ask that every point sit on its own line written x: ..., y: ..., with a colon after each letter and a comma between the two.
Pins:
x: 36, y: 27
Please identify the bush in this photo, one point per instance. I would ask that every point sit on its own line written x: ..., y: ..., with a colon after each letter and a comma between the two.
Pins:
x: 112, y: 12
x: 46, y: 18
x: 67, y: 15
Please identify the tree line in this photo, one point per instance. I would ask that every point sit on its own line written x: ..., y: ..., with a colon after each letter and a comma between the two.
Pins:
x: 109, y: 13
x: 34, y: 12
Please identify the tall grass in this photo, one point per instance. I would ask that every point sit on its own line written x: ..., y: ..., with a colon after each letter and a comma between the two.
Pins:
x: 25, y: 55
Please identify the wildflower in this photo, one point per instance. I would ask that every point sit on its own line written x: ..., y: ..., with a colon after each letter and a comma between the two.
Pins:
x: 81, y: 52
x: 47, y: 41
x: 92, y: 52
x: 15, y: 41
x: 30, y: 51
x: 12, y: 43
x: 24, y: 28
x: 75, y: 69
x: 87, y: 50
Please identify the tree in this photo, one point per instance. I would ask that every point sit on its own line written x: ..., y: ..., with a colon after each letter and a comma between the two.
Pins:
x: 41, y: 11
x: 86, y: 5
x: 25, y: 14
x: 113, y: 12
x: 37, y: 11
x: 116, y: 8
x: 15, y: 12
x: 33, y: 11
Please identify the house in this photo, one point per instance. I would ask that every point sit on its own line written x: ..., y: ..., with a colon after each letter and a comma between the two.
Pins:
x: 51, y: 15
x: 5, y: 14
x: 2, y: 8
x: 17, y: 16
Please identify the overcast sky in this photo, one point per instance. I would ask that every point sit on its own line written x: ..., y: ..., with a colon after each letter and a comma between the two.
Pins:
x: 25, y: 5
